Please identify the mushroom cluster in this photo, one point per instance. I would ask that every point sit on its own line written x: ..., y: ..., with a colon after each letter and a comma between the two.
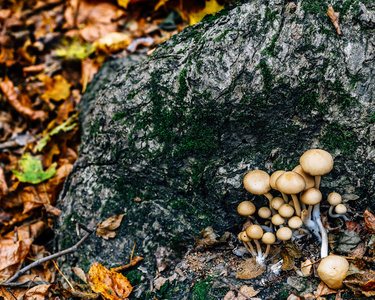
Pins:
x: 296, y: 211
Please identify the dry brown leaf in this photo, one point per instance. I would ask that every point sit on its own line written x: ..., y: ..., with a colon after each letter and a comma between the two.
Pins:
x: 247, y: 291
x: 362, y: 283
x: 26, y: 231
x: 369, y: 221
x: 113, y: 42
x: 210, y: 238
x: 135, y: 260
x: 89, y: 68
x: 52, y: 210
x: 107, y: 227
x: 323, y: 289
x: 34, y: 68
x: 8, y: 89
x: 334, y: 16
x: 3, y: 184
x: 250, y: 269
x: 306, y: 271
x: 39, y: 292
x: 112, y: 285
x: 80, y: 274
x: 13, y: 252
x: 288, y: 253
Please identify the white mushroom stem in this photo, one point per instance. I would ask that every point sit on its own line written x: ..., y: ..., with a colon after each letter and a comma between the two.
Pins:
x: 267, y: 250
x: 260, y: 257
x: 297, y: 206
x: 323, y: 231
x: 250, y: 248
x: 309, y: 223
x: 285, y: 197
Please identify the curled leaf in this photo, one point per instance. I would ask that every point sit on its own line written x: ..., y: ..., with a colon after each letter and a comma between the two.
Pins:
x: 369, y: 221
x: 210, y: 238
x: 334, y: 16
x: 106, y: 228
x: 250, y: 269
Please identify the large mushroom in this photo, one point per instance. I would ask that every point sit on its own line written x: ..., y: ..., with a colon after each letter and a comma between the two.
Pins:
x: 291, y: 183
x: 333, y: 270
x: 258, y: 182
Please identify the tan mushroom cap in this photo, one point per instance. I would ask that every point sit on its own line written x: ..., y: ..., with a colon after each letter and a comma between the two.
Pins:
x: 268, y: 238
x: 277, y: 202
x: 242, y: 236
x: 284, y: 233
x: 286, y: 211
x: 340, y: 209
x: 257, y: 182
x: 311, y: 196
x: 264, y: 212
x: 334, y: 198
x: 295, y: 222
x: 254, y: 232
x: 310, y: 181
x: 246, y: 208
x: 277, y: 220
x: 332, y: 270
x: 316, y: 162
x: 290, y: 183
x: 274, y: 177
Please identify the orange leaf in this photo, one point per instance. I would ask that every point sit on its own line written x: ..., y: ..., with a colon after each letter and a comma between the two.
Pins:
x: 106, y: 228
x: 369, y: 221
x: 3, y: 184
x: 334, y: 16
x: 13, y: 253
x: 57, y: 88
x: 112, y: 285
x: 8, y: 89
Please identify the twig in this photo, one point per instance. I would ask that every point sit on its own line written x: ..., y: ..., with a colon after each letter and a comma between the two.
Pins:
x: 9, y: 290
x: 278, y: 278
x: 66, y: 279
x: 234, y: 288
x: 131, y: 256
x: 134, y: 261
x: 47, y: 258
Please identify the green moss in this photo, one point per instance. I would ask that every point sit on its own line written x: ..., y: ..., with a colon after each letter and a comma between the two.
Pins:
x: 267, y: 76
x: 269, y: 16
x: 134, y: 276
x: 371, y: 119
x: 68, y: 240
x: 222, y: 35
x: 271, y: 47
x: 342, y: 97
x: 337, y: 136
x: 202, y: 289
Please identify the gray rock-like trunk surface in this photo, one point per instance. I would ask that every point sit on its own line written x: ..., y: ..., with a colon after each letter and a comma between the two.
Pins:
x: 251, y: 88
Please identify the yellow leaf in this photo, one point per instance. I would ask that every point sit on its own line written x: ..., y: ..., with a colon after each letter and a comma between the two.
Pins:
x: 57, y: 88
x: 211, y: 7
x: 160, y: 3
x: 123, y: 3
x: 113, y: 42
x: 112, y: 285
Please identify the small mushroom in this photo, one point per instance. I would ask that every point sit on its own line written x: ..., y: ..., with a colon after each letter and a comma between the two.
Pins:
x: 286, y: 211
x: 264, y: 212
x: 310, y: 197
x: 333, y: 199
x: 310, y: 182
x: 255, y: 232
x: 316, y: 162
x: 273, y: 179
x: 277, y: 220
x: 258, y: 182
x: 242, y: 236
x: 277, y: 202
x: 268, y: 238
x: 246, y: 208
x: 295, y: 222
x: 284, y: 234
x: 291, y: 183
x: 332, y: 271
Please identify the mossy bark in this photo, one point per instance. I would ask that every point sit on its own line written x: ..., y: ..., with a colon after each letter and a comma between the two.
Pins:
x: 253, y: 87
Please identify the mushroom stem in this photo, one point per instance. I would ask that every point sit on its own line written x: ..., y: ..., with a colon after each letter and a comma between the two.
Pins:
x: 297, y: 206
x: 250, y: 248
x: 323, y: 231
x: 317, y: 181
x: 285, y: 197
x: 332, y: 215
x: 260, y: 257
x: 267, y: 251
x: 310, y: 224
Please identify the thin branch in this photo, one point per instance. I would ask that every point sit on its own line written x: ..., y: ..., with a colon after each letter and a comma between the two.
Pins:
x: 47, y: 258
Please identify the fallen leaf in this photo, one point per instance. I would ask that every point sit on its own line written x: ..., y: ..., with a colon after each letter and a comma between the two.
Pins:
x: 3, y: 184
x: 112, y: 42
x: 211, y: 7
x: 112, y: 285
x: 210, y: 238
x: 323, y: 290
x: 306, y: 271
x: 362, y: 283
x: 345, y: 241
x: 80, y: 274
x: 52, y: 210
x: 13, y: 252
x: 334, y: 16
x: 250, y: 269
x: 369, y: 221
x: 33, y: 170
x: 57, y: 88
x: 75, y: 50
x: 8, y: 89
x: 39, y: 292
x: 123, y: 3
x: 247, y: 291
x: 107, y: 227
x: 289, y: 253
x: 68, y: 125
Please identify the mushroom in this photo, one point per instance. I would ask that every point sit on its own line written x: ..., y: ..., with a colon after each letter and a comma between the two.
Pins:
x: 286, y: 211
x: 242, y: 236
x: 284, y: 234
x: 246, y: 208
x: 273, y: 179
x: 340, y: 210
x: 291, y: 183
x: 295, y: 222
x: 316, y: 162
x: 310, y: 182
x: 268, y: 238
x: 264, y: 212
x: 258, y: 182
x: 277, y: 202
x: 332, y: 271
x: 277, y: 220
x: 333, y: 199
x: 310, y: 197
x: 255, y: 232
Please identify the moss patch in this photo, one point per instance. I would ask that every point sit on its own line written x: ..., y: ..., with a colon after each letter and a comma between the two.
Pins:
x: 338, y: 136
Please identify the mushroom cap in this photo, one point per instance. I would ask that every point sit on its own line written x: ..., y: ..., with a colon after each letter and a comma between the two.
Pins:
x: 295, y: 222
x: 310, y: 181
x: 274, y: 177
x: 264, y: 212
x: 254, y: 232
x: 311, y: 196
x: 334, y: 198
x: 277, y: 220
x: 286, y: 211
x: 246, y: 208
x: 277, y: 202
x: 316, y: 162
x: 332, y: 270
x: 290, y: 183
x: 340, y: 209
x: 284, y: 233
x: 242, y: 236
x: 257, y: 182
x: 268, y: 238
